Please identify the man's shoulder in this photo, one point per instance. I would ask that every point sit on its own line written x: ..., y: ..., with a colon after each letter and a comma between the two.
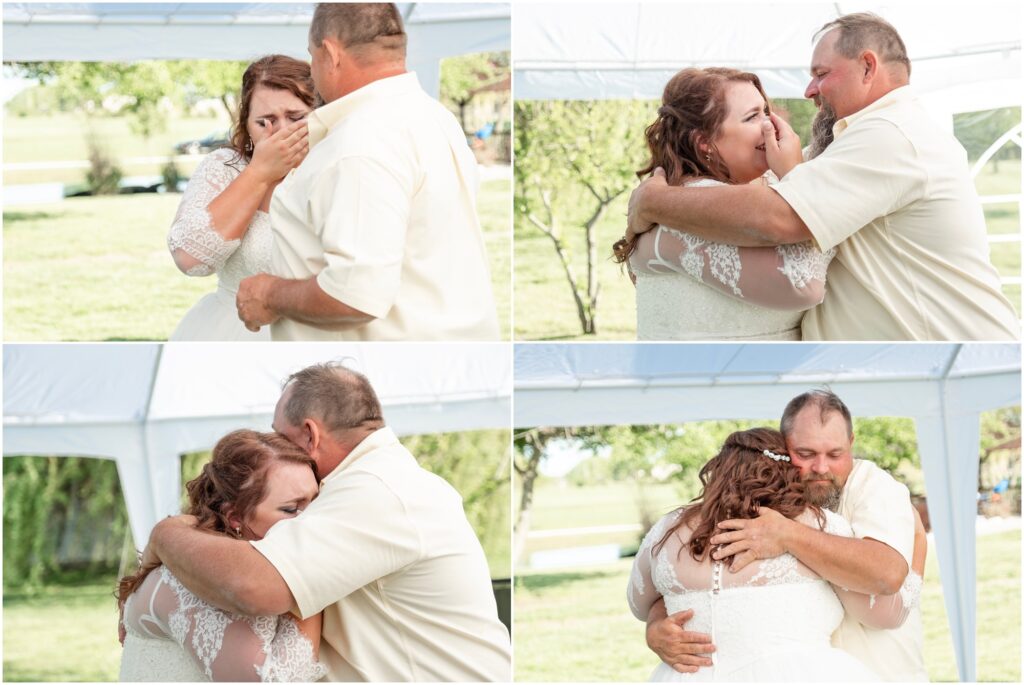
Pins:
x: 868, y: 479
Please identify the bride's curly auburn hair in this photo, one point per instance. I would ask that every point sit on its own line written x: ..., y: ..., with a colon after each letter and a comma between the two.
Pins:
x: 738, y: 480
x: 230, y: 486
x: 278, y: 72
x: 692, y: 110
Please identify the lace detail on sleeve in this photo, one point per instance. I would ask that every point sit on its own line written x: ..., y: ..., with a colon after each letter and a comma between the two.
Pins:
x: 910, y: 591
x: 197, y: 248
x: 802, y: 263
x: 648, y: 574
x: 231, y: 647
x: 290, y: 656
x: 786, y: 277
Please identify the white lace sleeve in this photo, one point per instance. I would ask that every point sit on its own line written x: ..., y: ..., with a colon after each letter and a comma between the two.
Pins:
x: 875, y: 611
x: 225, y: 646
x: 787, y: 277
x: 642, y: 591
x: 197, y: 248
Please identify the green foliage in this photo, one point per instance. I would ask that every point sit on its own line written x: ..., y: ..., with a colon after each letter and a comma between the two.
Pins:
x: 799, y: 113
x: 573, y: 160
x: 104, y: 175
x: 476, y: 463
x: 976, y: 131
x: 140, y: 89
x: 463, y: 76
x: 60, y: 513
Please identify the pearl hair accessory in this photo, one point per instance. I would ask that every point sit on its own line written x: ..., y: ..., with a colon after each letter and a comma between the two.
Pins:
x: 775, y: 457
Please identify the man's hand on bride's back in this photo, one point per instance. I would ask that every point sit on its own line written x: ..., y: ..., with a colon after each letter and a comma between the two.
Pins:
x: 637, y: 224
x: 681, y: 649
x: 781, y: 145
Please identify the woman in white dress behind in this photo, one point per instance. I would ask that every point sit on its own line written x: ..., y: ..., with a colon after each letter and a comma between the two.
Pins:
x: 252, y: 481
x: 772, y: 620
x: 222, y: 226
x: 712, y: 128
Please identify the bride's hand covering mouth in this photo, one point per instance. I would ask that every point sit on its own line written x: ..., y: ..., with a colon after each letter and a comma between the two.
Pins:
x: 781, y: 145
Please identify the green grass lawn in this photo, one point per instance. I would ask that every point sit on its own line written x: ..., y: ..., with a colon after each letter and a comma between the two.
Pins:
x: 63, y: 137
x: 66, y: 634
x: 574, y: 625
x: 97, y: 268
x: 544, y: 307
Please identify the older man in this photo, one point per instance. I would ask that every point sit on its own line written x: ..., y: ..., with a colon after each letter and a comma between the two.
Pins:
x: 376, y: 233
x: 892, y: 192
x: 385, y: 550
x: 889, y: 542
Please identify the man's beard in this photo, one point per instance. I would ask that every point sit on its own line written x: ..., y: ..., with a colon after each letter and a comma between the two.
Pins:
x: 821, y: 130
x: 824, y: 493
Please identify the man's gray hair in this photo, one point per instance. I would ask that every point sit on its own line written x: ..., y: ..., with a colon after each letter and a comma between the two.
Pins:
x: 360, y: 26
x: 337, y: 396
x: 866, y: 31
x: 827, y: 403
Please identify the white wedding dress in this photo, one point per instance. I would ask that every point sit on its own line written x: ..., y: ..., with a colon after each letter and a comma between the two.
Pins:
x: 173, y: 636
x: 771, y: 621
x: 200, y: 251
x: 688, y: 288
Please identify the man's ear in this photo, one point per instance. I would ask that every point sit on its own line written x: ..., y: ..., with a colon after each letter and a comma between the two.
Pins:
x: 334, y: 50
x: 312, y: 435
x: 869, y: 63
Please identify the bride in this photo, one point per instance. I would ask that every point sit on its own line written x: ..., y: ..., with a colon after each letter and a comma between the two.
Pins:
x: 222, y: 225
x: 773, y: 619
x: 252, y: 481
x: 714, y: 126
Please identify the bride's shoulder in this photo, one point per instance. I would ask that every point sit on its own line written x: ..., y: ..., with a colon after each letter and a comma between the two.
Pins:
x: 827, y: 521
x: 702, y: 182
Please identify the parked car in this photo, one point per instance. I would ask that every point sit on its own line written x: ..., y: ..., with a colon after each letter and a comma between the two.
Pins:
x: 215, y: 140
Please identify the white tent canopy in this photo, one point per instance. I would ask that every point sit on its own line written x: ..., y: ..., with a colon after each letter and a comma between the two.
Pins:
x: 102, y: 32
x: 965, y: 55
x: 943, y: 387
x: 143, y: 405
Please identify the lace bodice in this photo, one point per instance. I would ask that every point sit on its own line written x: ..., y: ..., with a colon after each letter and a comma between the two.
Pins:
x: 770, y: 606
x: 172, y: 635
x: 197, y: 248
x: 691, y: 288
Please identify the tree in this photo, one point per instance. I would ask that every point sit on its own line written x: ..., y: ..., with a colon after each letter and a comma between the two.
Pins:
x: 138, y: 89
x: 573, y: 159
x: 462, y: 77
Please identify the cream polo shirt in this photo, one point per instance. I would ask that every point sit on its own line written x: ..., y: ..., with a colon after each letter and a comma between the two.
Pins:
x: 386, y: 552
x: 878, y: 507
x: 893, y: 192
x: 383, y: 213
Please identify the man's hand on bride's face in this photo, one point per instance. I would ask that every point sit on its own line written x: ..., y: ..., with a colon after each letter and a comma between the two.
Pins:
x: 637, y: 224
x: 749, y: 540
x: 781, y: 145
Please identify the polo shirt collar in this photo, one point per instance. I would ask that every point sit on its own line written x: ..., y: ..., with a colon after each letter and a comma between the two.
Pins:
x: 894, y: 96
x: 382, y: 437
x: 323, y: 119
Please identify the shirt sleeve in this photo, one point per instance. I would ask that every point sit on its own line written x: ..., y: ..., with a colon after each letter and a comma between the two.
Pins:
x: 197, y: 249
x: 355, y: 533
x: 787, y: 277
x: 882, y: 612
x: 360, y: 208
x: 869, y: 171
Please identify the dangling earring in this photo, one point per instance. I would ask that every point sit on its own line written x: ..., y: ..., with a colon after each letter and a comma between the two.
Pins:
x: 707, y: 156
x: 249, y: 148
